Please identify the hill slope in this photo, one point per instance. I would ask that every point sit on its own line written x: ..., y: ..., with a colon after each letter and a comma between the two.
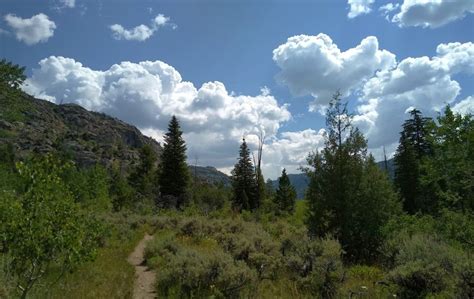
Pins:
x: 33, y: 125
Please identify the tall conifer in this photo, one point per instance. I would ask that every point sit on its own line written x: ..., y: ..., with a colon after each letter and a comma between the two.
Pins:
x: 413, y: 147
x: 348, y: 196
x: 244, y: 183
x: 173, y: 170
x: 285, y: 196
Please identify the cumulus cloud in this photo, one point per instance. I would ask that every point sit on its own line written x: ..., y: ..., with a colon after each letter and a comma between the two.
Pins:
x: 385, y: 88
x: 148, y: 93
x: 432, y: 13
x: 465, y: 106
x: 359, y: 7
x: 290, y: 150
x: 421, y: 82
x: 141, y: 32
x: 314, y: 65
x: 38, y: 28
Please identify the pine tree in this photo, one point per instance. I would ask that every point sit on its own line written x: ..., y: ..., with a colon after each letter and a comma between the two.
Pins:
x: 344, y: 185
x: 243, y: 181
x: 173, y: 170
x: 413, y: 147
x: 143, y: 177
x: 285, y: 196
x: 269, y: 189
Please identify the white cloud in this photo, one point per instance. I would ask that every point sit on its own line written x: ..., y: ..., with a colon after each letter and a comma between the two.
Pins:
x: 465, y: 106
x: 68, y: 3
x: 38, y: 28
x: 432, y: 13
x: 314, y: 65
x: 141, y: 32
x: 290, y: 151
x: 146, y: 94
x: 421, y: 82
x: 387, y: 9
x: 359, y: 7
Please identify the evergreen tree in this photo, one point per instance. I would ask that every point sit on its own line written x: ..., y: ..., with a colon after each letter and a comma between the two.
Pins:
x: 269, y: 188
x: 285, y: 196
x: 243, y: 181
x: 344, y: 186
x: 143, y: 177
x: 173, y: 170
x: 413, y: 147
x: 448, y: 174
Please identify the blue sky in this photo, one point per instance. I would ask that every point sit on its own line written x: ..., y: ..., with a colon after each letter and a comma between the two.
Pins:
x: 233, y: 43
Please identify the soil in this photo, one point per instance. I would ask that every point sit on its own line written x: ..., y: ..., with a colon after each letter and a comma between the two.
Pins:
x: 144, y: 287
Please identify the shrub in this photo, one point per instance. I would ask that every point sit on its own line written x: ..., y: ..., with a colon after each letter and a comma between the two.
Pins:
x: 425, y: 265
x: 209, y: 197
x: 315, y: 264
x: 188, y: 272
x: 43, y: 228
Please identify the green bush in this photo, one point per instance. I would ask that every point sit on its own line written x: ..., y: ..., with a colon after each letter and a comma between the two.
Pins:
x: 196, y: 271
x: 274, y: 253
x: 315, y: 264
x: 426, y: 266
x: 89, y: 186
x: 42, y: 227
x: 209, y: 197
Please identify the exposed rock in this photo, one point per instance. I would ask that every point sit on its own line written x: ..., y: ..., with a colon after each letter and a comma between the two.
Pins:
x: 34, y: 125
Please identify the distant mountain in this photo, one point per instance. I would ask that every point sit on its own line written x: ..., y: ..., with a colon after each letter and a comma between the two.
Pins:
x: 210, y: 174
x: 300, y: 180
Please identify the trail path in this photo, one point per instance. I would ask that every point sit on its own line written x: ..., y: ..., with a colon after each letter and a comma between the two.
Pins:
x: 144, y: 277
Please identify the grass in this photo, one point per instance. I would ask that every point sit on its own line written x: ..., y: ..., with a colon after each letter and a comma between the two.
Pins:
x: 13, y: 106
x: 108, y: 276
x: 299, y: 217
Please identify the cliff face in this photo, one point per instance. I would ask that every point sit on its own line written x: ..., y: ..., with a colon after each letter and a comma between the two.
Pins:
x: 34, y: 125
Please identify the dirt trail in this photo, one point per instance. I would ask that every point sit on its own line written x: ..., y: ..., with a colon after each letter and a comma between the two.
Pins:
x: 144, y: 287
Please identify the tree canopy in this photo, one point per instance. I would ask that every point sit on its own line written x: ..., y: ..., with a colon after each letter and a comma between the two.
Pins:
x: 348, y: 196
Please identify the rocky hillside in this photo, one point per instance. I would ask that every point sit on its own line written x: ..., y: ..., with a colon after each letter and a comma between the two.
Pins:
x: 33, y: 125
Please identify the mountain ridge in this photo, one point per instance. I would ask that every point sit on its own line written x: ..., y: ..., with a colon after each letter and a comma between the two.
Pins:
x: 33, y: 125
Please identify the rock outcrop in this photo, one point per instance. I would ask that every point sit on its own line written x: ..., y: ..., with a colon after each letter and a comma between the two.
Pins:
x: 34, y: 125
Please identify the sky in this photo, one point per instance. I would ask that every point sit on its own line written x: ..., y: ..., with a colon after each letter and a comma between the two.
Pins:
x: 231, y: 69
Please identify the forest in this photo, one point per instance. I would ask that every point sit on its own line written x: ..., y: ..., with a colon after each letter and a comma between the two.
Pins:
x: 66, y: 230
